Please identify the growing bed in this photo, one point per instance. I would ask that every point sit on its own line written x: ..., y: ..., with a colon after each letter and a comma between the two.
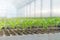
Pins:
x: 21, y: 26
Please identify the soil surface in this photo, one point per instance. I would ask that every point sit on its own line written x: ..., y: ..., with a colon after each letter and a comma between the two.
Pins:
x: 27, y: 31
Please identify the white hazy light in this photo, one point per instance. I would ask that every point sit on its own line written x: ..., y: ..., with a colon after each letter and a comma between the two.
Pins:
x: 6, y: 9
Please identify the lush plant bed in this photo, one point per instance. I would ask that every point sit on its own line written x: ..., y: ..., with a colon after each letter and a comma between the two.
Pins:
x: 23, y: 23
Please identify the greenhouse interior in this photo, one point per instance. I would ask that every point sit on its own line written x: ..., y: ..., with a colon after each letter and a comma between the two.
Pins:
x: 18, y: 17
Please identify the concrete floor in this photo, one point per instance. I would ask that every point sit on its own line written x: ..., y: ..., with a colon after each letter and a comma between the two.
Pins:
x: 50, y: 36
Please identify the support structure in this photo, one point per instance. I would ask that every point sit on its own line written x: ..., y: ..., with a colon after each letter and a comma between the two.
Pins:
x: 50, y: 8
x: 35, y: 8
x: 41, y: 7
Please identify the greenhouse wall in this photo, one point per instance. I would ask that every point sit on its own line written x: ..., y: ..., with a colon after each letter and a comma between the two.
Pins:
x: 46, y: 8
x: 30, y: 8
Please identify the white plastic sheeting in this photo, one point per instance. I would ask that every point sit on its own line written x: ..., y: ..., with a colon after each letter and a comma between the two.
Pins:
x: 29, y: 8
x: 48, y: 10
x: 9, y: 8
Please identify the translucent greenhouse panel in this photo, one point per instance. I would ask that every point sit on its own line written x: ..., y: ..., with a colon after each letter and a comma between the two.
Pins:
x: 21, y: 12
x: 38, y: 8
x: 28, y: 11
x: 46, y: 8
x: 56, y: 8
x: 21, y: 3
x: 30, y: 14
x: 32, y: 10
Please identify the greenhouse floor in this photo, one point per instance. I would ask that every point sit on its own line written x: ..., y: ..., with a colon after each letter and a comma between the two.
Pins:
x: 45, y: 36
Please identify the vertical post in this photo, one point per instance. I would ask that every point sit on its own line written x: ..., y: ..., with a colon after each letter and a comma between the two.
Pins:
x: 41, y: 8
x: 25, y: 11
x: 30, y: 10
x: 17, y: 12
x: 50, y: 8
x: 34, y: 8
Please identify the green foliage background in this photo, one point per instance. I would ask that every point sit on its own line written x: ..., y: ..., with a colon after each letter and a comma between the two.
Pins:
x: 29, y: 22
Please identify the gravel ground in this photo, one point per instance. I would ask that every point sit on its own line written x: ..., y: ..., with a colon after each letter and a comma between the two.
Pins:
x: 50, y: 36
